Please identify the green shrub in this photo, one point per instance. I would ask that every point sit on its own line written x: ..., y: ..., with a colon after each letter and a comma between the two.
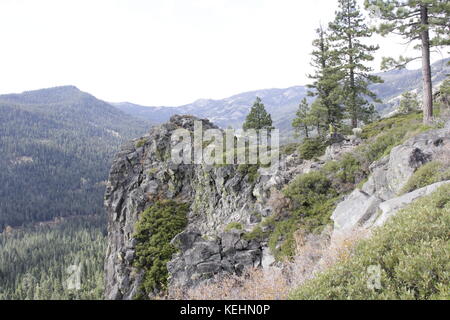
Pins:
x: 311, y: 220
x: 281, y: 241
x: 429, y: 173
x: 350, y: 169
x: 312, y: 148
x: 156, y: 227
x: 375, y: 128
x: 412, y: 250
x: 309, y: 188
x: 382, y: 144
x: 140, y: 143
x: 233, y: 226
x: 250, y: 170
x: 257, y: 233
x: 289, y: 149
x: 314, y: 200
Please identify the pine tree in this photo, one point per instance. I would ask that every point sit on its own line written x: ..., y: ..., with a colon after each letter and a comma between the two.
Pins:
x: 415, y: 21
x: 326, y: 87
x: 347, y: 32
x: 258, y: 118
x: 408, y: 103
x: 370, y: 114
x: 303, y: 120
x: 318, y: 117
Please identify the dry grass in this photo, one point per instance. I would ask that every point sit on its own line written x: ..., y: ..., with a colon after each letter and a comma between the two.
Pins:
x: 254, y: 284
x: 314, y: 254
x: 443, y: 155
x: 278, y: 202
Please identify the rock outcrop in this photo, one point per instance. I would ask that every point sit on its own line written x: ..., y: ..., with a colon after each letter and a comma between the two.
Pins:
x: 200, y: 259
x: 390, y: 207
x: 343, y: 145
x: 379, y: 197
x: 143, y: 173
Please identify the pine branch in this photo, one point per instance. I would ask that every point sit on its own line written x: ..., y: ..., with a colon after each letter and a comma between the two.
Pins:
x: 400, y: 63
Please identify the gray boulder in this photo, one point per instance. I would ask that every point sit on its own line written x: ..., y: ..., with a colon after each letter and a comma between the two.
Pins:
x: 390, y: 174
x: 354, y: 211
x: 203, y: 259
x: 389, y: 208
x: 339, y: 147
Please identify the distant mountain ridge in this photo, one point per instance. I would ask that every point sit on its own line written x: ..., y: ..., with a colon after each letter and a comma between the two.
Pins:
x: 55, y: 95
x: 283, y: 103
x: 226, y: 112
x: 57, y: 145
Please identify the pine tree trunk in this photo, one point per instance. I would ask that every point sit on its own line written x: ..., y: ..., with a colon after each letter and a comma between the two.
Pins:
x: 353, y: 107
x: 353, y: 99
x: 426, y: 68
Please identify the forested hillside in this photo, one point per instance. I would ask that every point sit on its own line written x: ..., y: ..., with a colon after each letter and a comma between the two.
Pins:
x: 56, y: 146
x: 37, y: 262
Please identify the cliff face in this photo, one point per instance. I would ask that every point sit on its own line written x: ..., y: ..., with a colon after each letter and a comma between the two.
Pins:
x: 143, y: 173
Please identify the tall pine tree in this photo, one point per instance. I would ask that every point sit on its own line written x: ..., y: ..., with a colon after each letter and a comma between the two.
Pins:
x: 408, y: 102
x: 258, y: 118
x: 425, y: 21
x: 318, y: 116
x: 303, y: 120
x: 327, y: 74
x: 348, y: 31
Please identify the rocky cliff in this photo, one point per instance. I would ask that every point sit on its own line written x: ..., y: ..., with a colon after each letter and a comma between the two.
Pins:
x: 143, y: 173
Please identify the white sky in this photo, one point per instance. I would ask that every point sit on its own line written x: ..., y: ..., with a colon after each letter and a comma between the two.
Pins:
x: 161, y: 52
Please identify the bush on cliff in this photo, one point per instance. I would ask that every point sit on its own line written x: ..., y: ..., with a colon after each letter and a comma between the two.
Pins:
x: 313, y: 198
x: 140, y: 143
x: 312, y: 148
x: 429, y: 173
x: 233, y: 226
x: 156, y: 227
x: 412, y: 252
x: 251, y: 170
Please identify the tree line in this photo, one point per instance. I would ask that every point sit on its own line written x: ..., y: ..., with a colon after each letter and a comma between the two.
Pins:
x: 339, y: 87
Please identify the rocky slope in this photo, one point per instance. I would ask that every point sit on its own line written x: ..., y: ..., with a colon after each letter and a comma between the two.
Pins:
x: 380, y: 197
x: 143, y: 173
